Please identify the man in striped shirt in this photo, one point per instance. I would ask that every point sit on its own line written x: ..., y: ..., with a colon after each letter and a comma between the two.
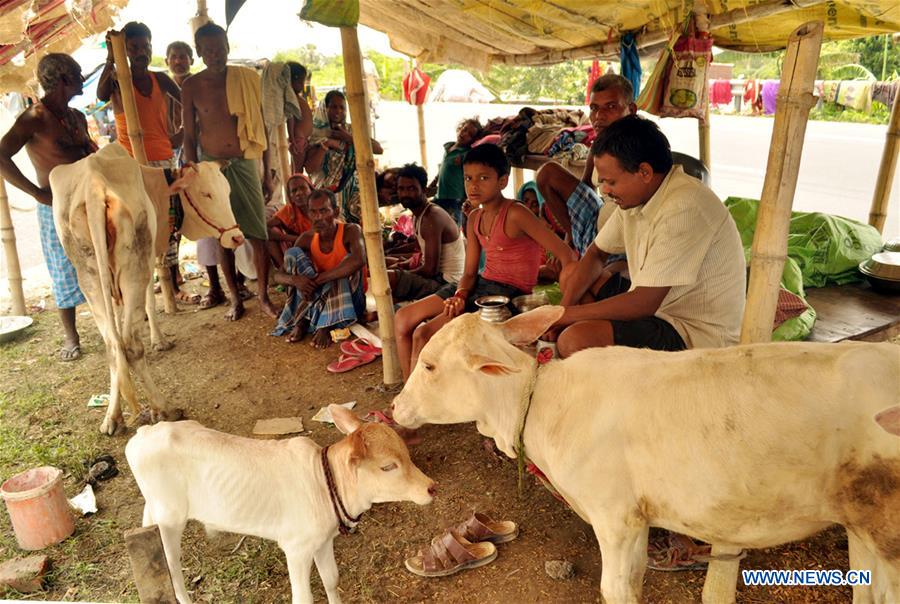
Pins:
x: 686, y: 278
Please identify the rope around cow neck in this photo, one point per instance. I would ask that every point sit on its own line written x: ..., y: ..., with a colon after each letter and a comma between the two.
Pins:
x: 527, y: 397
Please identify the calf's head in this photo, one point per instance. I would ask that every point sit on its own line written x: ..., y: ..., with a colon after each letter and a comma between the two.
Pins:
x: 470, y: 366
x: 207, y: 208
x: 380, y: 460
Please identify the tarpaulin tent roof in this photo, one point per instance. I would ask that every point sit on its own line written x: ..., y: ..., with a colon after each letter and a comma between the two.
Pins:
x: 29, y: 29
x: 535, y: 32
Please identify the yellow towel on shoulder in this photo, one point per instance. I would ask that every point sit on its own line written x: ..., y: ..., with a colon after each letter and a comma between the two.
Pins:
x: 244, y: 98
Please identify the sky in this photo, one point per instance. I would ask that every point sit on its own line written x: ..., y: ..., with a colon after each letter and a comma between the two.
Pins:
x: 261, y: 28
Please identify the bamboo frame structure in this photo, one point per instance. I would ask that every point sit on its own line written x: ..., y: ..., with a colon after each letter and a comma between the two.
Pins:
x: 284, y: 159
x: 886, y: 171
x: 795, y: 99
x: 518, y: 179
x: 365, y: 166
x: 136, y: 138
x: 13, y: 268
x: 420, y: 113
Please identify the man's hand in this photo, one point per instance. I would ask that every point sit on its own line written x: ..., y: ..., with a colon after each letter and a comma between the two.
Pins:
x: 454, y: 306
x: 268, y: 186
x: 45, y: 196
x: 307, y: 286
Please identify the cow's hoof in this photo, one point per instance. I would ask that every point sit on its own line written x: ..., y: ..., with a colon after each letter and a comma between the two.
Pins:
x: 170, y: 415
x: 163, y: 345
x: 112, y: 426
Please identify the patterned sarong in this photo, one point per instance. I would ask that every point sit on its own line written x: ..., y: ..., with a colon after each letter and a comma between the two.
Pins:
x: 334, y: 305
x: 62, y: 273
x: 584, y: 206
x: 247, y: 202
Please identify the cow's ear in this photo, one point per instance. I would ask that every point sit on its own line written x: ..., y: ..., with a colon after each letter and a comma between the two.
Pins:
x: 484, y: 364
x: 889, y: 419
x: 344, y: 419
x: 357, y: 447
x: 183, y: 179
x: 528, y: 327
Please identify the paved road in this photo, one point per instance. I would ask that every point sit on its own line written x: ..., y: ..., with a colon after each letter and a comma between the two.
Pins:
x: 837, y: 173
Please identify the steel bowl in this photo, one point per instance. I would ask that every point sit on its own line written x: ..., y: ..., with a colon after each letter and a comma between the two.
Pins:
x: 883, y: 271
x: 892, y: 245
x: 11, y: 327
x: 530, y: 301
x: 493, y: 308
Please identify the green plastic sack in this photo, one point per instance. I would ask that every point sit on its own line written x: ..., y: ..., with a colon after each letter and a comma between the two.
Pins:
x: 334, y: 13
x: 827, y: 248
x: 800, y: 326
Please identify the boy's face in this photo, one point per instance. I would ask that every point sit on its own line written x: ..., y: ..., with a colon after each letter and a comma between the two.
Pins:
x: 139, y: 51
x: 179, y: 61
x: 625, y: 189
x: 483, y: 184
x: 214, y: 51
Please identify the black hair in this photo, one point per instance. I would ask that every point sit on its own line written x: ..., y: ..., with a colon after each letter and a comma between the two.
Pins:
x: 381, y: 176
x: 136, y: 29
x: 317, y: 193
x: 178, y: 45
x: 414, y: 171
x: 613, y: 81
x: 489, y: 155
x: 333, y: 93
x: 210, y: 30
x: 298, y: 71
x: 470, y: 120
x: 634, y: 140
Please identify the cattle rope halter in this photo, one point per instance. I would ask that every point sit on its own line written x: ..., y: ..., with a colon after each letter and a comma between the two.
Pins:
x: 345, y: 528
x: 196, y: 209
x: 527, y: 397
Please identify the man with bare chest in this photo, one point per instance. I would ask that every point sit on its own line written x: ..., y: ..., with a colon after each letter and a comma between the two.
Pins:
x: 220, y: 114
x: 52, y: 134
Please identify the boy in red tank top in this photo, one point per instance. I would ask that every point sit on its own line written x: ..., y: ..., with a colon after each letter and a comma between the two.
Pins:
x: 513, y: 240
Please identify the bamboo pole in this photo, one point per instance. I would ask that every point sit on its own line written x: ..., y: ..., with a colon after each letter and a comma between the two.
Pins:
x: 13, y: 269
x: 701, y: 22
x: 284, y: 158
x: 886, y: 171
x: 795, y: 99
x: 365, y: 166
x: 420, y: 113
x: 136, y: 137
x: 703, y: 132
x: 518, y: 178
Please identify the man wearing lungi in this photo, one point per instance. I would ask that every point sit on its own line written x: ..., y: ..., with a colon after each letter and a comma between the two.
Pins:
x: 52, y: 134
x: 221, y: 106
x: 325, y: 275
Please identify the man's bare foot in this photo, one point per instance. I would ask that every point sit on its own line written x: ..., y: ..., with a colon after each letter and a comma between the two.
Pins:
x: 236, y: 311
x: 267, y: 307
x: 322, y: 338
x: 298, y: 333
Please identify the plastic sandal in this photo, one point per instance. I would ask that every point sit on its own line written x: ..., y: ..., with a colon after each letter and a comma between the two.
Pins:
x: 480, y: 527
x: 676, y: 552
x: 449, y: 554
x: 359, y: 346
x: 347, y: 362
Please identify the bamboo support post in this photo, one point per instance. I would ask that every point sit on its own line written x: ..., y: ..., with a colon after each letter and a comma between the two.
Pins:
x: 148, y: 564
x: 13, y: 269
x: 284, y: 158
x: 420, y: 113
x: 886, y: 171
x: 701, y: 22
x: 518, y: 178
x: 795, y: 99
x: 365, y: 166
x: 136, y: 138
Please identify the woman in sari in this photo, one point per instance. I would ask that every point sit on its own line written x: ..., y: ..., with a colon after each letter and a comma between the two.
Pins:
x: 331, y: 159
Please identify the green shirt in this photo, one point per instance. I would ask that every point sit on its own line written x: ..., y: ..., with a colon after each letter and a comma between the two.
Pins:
x: 450, y: 178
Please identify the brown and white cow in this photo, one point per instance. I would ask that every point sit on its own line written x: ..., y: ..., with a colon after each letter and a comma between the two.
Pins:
x: 104, y: 207
x: 742, y: 447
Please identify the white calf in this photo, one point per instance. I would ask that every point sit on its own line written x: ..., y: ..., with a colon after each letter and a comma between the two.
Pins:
x: 107, y: 223
x: 276, y: 490
x: 743, y: 447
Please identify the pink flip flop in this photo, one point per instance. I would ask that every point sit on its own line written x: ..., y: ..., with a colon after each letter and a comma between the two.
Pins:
x: 359, y: 346
x: 346, y: 362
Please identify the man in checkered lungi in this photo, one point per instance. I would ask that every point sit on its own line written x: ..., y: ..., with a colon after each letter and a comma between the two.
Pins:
x: 52, y: 134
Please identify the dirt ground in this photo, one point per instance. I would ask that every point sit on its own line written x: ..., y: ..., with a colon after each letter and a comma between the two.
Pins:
x: 227, y: 376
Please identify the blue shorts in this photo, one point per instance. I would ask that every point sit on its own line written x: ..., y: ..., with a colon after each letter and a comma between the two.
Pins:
x: 64, y: 280
x: 584, y: 206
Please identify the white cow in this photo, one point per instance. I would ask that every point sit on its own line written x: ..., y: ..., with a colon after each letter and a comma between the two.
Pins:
x: 105, y: 210
x: 274, y: 489
x: 743, y: 447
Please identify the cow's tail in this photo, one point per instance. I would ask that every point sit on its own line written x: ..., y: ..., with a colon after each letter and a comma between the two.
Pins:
x: 97, y: 207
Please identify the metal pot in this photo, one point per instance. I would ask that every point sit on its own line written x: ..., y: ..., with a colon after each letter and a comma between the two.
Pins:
x: 883, y: 271
x: 493, y: 308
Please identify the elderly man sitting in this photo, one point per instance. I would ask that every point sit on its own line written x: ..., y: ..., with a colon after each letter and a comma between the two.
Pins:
x: 325, y: 272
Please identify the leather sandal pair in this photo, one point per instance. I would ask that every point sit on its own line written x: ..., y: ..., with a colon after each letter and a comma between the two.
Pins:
x: 468, y: 545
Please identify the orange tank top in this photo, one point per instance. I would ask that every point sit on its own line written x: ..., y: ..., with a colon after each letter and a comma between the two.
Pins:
x: 154, y: 115
x: 325, y: 262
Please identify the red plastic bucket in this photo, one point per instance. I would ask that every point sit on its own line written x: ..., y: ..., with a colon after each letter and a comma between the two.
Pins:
x: 38, y: 508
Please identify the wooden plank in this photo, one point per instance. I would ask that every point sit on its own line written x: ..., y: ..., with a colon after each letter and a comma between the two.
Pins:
x: 853, y: 312
x: 149, y: 566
